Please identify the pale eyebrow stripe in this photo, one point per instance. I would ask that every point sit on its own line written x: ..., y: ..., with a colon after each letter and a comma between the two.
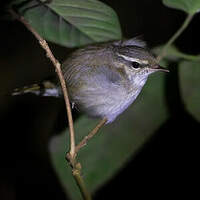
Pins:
x: 134, y: 59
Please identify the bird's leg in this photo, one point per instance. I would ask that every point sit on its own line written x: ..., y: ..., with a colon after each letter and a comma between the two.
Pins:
x: 90, y: 135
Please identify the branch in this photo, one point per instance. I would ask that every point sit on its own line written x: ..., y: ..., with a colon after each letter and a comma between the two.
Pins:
x: 76, y: 167
x: 175, y: 36
x: 79, y: 180
x: 57, y: 66
x: 90, y: 135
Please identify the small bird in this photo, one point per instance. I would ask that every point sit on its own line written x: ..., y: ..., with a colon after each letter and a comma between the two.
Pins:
x: 104, y: 79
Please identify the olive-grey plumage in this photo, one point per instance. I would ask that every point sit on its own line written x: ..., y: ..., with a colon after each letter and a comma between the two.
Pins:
x: 104, y: 79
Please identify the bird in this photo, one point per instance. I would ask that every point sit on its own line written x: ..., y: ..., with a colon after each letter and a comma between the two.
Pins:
x: 104, y: 79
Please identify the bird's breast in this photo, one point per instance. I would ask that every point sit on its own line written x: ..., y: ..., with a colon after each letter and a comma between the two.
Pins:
x: 122, y: 104
x: 112, y: 102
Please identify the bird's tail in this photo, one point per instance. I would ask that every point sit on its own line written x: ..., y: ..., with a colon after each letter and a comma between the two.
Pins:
x: 45, y: 88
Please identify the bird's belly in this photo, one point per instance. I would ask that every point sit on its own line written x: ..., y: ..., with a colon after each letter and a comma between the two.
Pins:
x: 119, y: 107
x: 108, y: 105
x: 106, y: 102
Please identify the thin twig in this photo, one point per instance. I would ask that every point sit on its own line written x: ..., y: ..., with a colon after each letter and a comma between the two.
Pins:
x: 175, y: 36
x: 57, y: 65
x: 91, y: 134
x: 79, y: 180
x: 71, y: 156
x: 76, y: 167
x: 76, y: 171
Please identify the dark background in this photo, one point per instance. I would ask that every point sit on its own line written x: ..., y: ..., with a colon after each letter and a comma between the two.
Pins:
x: 167, y: 166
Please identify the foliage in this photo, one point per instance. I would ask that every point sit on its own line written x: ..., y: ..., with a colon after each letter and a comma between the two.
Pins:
x: 189, y: 73
x: 73, y: 23
x: 189, y: 6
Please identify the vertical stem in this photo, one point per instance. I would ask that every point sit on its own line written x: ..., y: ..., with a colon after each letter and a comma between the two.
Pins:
x: 79, y: 180
x: 69, y: 114
x: 57, y: 66
x: 76, y: 169
x: 175, y: 36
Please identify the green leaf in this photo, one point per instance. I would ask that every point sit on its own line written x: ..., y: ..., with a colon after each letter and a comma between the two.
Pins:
x: 172, y: 53
x: 189, y: 73
x: 74, y: 23
x: 116, y: 143
x: 189, y: 6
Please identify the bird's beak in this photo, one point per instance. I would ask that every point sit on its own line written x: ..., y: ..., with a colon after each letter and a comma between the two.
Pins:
x: 159, y: 68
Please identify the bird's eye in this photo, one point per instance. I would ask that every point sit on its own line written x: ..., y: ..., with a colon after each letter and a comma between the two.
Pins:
x: 135, y: 65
